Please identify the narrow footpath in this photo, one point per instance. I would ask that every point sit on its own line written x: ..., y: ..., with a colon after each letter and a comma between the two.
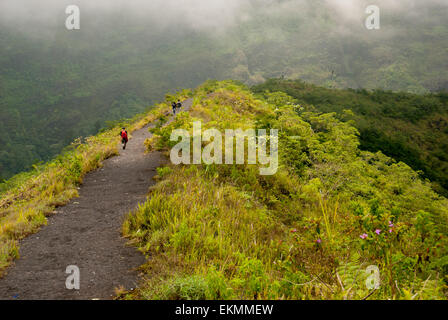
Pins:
x: 87, y: 233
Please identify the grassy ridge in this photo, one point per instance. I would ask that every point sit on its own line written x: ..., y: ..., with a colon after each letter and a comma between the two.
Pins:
x: 307, y: 232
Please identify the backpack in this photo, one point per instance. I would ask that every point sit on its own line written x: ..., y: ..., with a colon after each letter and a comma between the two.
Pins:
x: 124, y: 134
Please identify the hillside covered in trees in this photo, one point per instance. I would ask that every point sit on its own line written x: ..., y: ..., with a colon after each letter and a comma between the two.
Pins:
x: 407, y: 127
x: 57, y: 85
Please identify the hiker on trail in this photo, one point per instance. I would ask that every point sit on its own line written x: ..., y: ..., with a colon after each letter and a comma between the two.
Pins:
x: 124, y: 137
x: 179, y: 105
x: 174, y: 105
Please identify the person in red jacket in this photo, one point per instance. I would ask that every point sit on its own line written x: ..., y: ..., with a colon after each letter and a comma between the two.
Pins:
x: 124, y: 137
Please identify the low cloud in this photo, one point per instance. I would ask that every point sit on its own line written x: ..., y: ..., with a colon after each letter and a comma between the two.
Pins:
x: 198, y: 15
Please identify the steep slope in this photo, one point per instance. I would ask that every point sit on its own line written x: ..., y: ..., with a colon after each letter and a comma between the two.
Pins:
x: 407, y: 127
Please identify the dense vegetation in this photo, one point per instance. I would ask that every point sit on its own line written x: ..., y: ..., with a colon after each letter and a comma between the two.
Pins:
x: 57, y: 85
x: 309, y: 231
x: 407, y: 127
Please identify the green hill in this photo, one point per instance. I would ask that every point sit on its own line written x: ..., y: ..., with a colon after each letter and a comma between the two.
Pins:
x: 307, y: 232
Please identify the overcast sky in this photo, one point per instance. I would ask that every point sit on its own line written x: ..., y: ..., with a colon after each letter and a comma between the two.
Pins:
x: 197, y: 14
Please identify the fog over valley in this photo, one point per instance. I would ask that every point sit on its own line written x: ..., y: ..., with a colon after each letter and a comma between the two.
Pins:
x: 128, y: 54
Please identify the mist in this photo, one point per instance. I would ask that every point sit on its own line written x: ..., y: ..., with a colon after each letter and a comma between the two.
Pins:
x: 198, y: 15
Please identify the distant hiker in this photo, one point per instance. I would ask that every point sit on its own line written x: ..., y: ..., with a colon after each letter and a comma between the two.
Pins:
x: 174, y: 105
x: 124, y: 137
x: 179, y: 105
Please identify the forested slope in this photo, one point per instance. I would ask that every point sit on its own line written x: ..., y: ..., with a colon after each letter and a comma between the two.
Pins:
x: 407, y: 127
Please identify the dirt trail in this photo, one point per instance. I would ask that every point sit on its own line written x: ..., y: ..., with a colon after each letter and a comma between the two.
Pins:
x: 86, y: 233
